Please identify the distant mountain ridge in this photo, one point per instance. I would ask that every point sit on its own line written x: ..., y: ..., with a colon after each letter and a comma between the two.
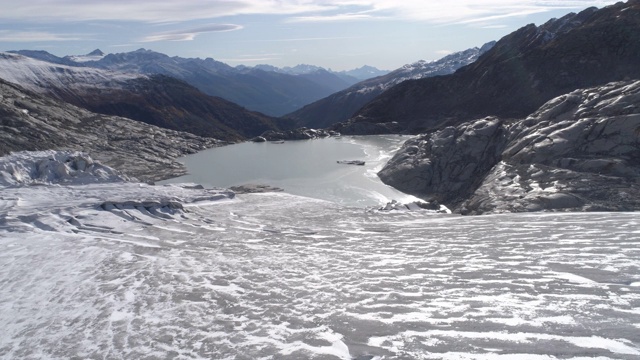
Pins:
x: 266, y: 89
x: 342, y: 105
x: 365, y: 72
x: 95, y: 55
x: 520, y: 73
x: 153, y: 99
x: 355, y: 75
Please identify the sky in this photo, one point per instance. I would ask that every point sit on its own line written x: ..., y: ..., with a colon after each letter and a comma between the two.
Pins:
x: 334, y: 34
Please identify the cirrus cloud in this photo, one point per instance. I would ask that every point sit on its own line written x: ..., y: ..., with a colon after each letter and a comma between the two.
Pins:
x: 190, y: 34
x: 37, y: 36
x: 301, y: 10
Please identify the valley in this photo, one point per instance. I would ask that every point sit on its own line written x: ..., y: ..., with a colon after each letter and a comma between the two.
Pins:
x: 483, y: 205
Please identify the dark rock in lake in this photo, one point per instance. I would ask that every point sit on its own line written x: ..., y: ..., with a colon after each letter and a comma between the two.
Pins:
x: 351, y: 162
x: 254, y: 188
x: 578, y: 152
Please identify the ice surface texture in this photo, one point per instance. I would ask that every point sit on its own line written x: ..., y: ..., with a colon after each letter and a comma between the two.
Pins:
x: 127, y: 270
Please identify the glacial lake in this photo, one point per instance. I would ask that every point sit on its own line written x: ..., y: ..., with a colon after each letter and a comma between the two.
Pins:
x: 305, y: 167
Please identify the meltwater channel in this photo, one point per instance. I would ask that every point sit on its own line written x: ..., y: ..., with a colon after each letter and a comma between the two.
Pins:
x: 304, y: 167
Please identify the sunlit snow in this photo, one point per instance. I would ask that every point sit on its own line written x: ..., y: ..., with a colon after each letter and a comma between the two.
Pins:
x: 125, y: 270
x: 40, y: 76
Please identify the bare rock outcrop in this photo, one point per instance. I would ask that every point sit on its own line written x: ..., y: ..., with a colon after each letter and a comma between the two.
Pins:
x: 30, y: 121
x: 447, y: 165
x: 578, y: 152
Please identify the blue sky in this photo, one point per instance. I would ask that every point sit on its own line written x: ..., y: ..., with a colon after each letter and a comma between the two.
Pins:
x: 336, y: 34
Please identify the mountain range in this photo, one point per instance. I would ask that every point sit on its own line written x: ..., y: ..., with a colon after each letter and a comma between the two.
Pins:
x: 549, y: 119
x: 520, y: 73
x: 539, y: 110
x: 362, y: 73
x: 270, y: 90
x: 341, y: 105
x: 145, y: 85
x: 153, y: 99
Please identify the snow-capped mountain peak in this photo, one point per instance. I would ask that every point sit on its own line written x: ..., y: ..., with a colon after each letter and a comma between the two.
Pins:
x: 40, y: 76
x: 95, y: 55
x: 423, y: 68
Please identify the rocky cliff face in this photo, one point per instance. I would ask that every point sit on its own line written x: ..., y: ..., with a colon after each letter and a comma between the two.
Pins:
x: 578, y: 152
x: 521, y: 72
x: 29, y: 121
x: 444, y: 166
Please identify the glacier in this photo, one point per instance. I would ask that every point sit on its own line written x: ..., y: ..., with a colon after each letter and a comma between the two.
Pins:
x: 94, y: 265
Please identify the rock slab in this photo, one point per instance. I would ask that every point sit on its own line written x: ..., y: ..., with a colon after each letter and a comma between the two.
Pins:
x: 579, y: 152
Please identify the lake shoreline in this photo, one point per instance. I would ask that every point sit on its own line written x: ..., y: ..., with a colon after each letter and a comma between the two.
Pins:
x: 302, y: 167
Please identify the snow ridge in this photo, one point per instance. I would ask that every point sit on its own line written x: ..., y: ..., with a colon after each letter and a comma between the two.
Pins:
x: 40, y: 76
x: 54, y: 167
x: 423, y: 69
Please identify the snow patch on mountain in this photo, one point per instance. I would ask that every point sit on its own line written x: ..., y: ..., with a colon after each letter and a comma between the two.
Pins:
x: 423, y: 69
x: 40, y: 76
x: 95, y: 55
x: 361, y: 73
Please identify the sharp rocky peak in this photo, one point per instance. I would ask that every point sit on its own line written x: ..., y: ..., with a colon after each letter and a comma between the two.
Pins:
x: 96, y: 52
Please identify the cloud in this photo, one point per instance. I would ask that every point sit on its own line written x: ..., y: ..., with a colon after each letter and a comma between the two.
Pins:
x: 190, y: 34
x: 163, y: 11
x: 308, y: 39
x: 37, y: 36
x: 160, y: 11
x: 496, y: 26
x: 332, y: 18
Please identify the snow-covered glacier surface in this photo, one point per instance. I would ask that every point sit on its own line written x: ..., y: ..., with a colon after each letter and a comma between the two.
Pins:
x: 125, y: 270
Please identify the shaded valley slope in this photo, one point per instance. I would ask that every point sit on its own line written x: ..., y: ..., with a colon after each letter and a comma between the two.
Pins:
x: 341, y: 105
x: 30, y: 121
x: 154, y: 99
